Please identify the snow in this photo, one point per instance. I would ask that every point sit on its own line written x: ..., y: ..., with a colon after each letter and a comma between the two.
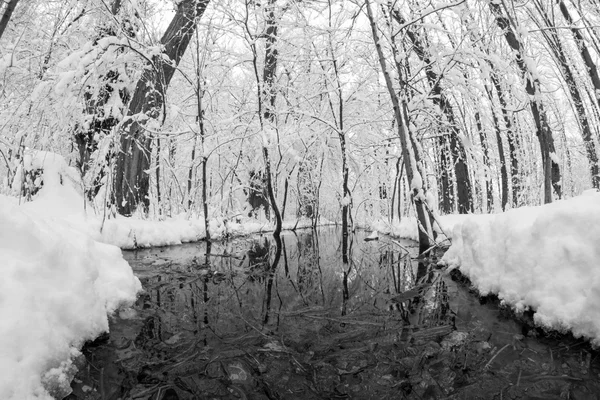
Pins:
x: 63, y: 271
x: 373, y: 236
x: 58, y: 284
x: 61, y: 198
x: 346, y: 200
x: 56, y: 290
x: 416, y: 183
x: 545, y: 258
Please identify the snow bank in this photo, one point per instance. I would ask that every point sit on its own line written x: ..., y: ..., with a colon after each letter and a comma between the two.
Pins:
x: 407, y: 227
x: 60, y: 197
x: 545, y: 257
x: 58, y: 284
x: 56, y: 289
x: 130, y: 233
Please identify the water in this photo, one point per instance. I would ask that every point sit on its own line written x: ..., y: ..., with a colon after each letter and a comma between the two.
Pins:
x: 242, y: 320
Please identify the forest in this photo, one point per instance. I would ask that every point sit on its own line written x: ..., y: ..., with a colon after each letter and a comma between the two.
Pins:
x: 444, y: 153
x: 347, y: 110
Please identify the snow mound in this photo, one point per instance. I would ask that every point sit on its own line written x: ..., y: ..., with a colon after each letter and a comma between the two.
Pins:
x: 544, y: 257
x: 56, y: 289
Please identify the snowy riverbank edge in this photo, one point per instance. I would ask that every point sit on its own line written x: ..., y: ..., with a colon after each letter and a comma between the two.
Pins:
x: 57, y: 289
x: 546, y: 258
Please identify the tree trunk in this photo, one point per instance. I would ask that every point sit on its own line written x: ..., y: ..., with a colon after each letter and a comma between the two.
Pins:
x: 131, y: 188
x: 578, y: 104
x: 550, y: 168
x: 270, y: 95
x: 456, y: 149
x: 583, y: 50
x: 500, y: 145
x: 10, y: 8
x: 446, y: 191
x: 489, y: 199
x: 511, y: 137
x: 409, y: 153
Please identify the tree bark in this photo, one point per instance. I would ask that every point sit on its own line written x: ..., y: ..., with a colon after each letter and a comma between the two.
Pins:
x: 583, y: 50
x: 511, y: 137
x: 457, y: 152
x: 550, y: 168
x: 270, y: 95
x: 500, y: 145
x: 8, y: 11
x: 131, y: 184
x: 569, y: 76
x: 489, y: 199
x: 409, y: 153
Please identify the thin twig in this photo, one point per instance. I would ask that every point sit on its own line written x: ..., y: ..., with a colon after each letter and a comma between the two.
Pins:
x: 495, y: 355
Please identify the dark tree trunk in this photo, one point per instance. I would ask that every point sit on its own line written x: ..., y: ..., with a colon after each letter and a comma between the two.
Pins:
x: 489, y: 198
x: 500, y: 145
x: 285, y: 195
x: 396, y: 189
x: 131, y: 184
x: 202, y: 132
x: 511, y: 137
x: 456, y: 149
x: 561, y: 57
x: 409, y: 152
x: 10, y: 8
x: 270, y: 95
x: 101, y: 123
x: 446, y: 190
x: 532, y: 86
x: 583, y: 50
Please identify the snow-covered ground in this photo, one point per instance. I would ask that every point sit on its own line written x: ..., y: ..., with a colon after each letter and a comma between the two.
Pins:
x: 57, y: 287
x: 61, y: 199
x: 546, y: 258
x: 407, y: 227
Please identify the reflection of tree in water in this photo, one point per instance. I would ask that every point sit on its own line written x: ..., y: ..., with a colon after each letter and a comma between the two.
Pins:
x: 398, y: 263
x: 435, y: 308
x: 269, y: 291
x: 308, y: 260
x: 426, y: 304
x: 347, y: 241
x: 254, y: 293
x: 258, y: 259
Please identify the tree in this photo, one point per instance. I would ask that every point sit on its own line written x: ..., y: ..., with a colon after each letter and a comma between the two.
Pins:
x: 550, y: 166
x: 450, y: 148
x: 266, y: 97
x: 131, y: 183
x: 8, y: 11
x: 410, y: 152
x: 559, y: 54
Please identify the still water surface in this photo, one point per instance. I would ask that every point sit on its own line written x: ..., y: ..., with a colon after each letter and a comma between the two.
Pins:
x: 242, y: 320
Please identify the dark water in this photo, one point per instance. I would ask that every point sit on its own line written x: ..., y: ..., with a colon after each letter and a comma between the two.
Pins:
x: 246, y: 320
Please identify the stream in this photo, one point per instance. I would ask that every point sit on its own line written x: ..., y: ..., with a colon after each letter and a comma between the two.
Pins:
x: 244, y: 319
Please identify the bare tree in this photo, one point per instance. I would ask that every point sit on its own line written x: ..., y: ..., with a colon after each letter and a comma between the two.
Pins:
x: 131, y: 183
x: 550, y: 167
x: 556, y: 49
x: 451, y: 147
x: 410, y: 154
